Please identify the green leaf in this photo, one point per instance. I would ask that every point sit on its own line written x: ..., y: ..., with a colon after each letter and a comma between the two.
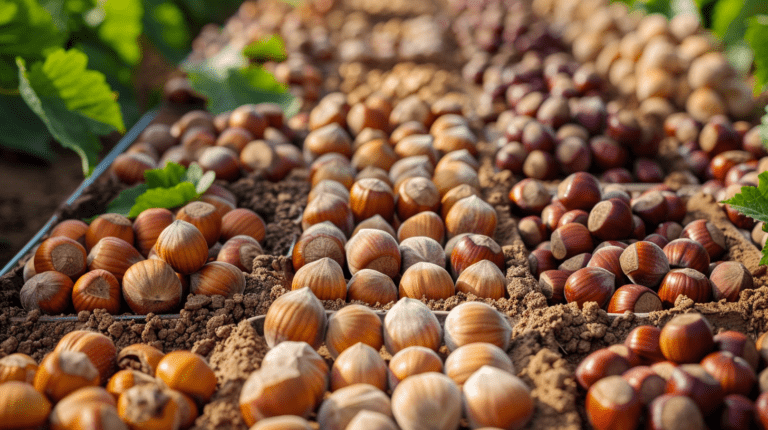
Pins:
x: 236, y: 87
x: 26, y: 30
x: 752, y: 201
x: 74, y: 103
x: 22, y: 130
x: 166, y: 27
x: 169, y: 176
x: 119, y: 24
x: 757, y: 37
x: 729, y: 19
x: 171, y: 197
x: 123, y: 203
x: 268, y: 49
x: 764, y: 128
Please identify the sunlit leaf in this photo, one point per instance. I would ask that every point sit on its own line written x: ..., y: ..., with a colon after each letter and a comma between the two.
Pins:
x: 757, y: 37
x: 267, y: 49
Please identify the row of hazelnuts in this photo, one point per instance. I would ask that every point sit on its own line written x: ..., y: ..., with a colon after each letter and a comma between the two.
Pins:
x: 424, y: 391
x: 77, y: 386
x: 679, y: 376
x: 251, y: 138
x: 150, y: 264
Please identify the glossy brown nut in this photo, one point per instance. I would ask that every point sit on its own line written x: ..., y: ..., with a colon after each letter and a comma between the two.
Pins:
x: 573, y: 155
x: 634, y: 298
x: 736, y: 412
x: 318, y: 241
x: 113, y: 255
x: 188, y: 373
x: 540, y: 165
x: 530, y: 196
x: 217, y: 278
x: 63, y: 372
x: 426, y: 280
x: 61, y: 254
x: 454, y: 174
x: 658, y: 239
x: 729, y: 279
x: 340, y: 172
x: 454, y: 195
x: 613, y: 403
x: 373, y: 249
x: 694, y: 381
x: 331, y: 187
x: 24, y: 407
x: 674, y: 412
x: 541, y: 260
x: 243, y: 221
x: 222, y: 160
x: 475, y: 247
x: 579, y: 191
x: 511, y: 156
x: 151, y: 286
x: 718, y: 136
x: 130, y: 167
x: 551, y: 214
x: 644, y: 341
x: 598, y: 365
x: 569, y: 240
x: 607, y: 258
x: 369, y: 197
x: 686, y: 253
x: 182, y: 246
x: 733, y: 373
x: 417, y: 195
x: 686, y: 338
x: 371, y: 287
x: 532, y: 230
x: 97, y: 289
x: 647, y: 383
x: 670, y: 230
x: 709, y: 236
x: 71, y: 228
x: 651, y: 208
x: 51, y: 292
x: 638, y: 228
x: 739, y: 345
x: 552, y: 285
x: 577, y: 216
x: 644, y: 263
x: 483, y: 279
x: 376, y: 153
x: 17, y: 367
x: 148, y: 226
x: 576, y: 262
x: 538, y: 136
x: 687, y: 282
x: 610, y: 220
x: 591, y: 284
x: 423, y: 224
x: 240, y: 251
x: 471, y: 215
x: 607, y: 153
x: 141, y: 357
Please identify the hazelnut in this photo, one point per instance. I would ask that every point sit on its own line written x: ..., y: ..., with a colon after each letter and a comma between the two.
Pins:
x: 369, y: 420
x: 739, y: 345
x: 339, y: 409
x: 406, y: 129
x: 733, y: 373
x: 644, y: 263
x: 375, y: 153
x: 282, y: 422
x: 671, y: 411
x: 413, y: 361
x: 359, y: 364
x: 23, y: 406
x: 428, y: 224
x: 416, y: 144
x: 454, y: 195
x: 205, y: 217
x: 569, y: 240
x: 607, y: 258
x: 51, y: 292
x: 148, y: 406
x: 298, y: 316
x: 530, y: 196
x: 426, y: 280
x: 644, y: 342
x: 97, y: 289
x: 188, y: 373
x: 613, y: 403
x: 182, y: 246
x: 610, y: 220
x: 61, y: 254
x: 91, y: 405
x: 427, y: 399
x: 331, y: 208
x: 242, y: 221
x: 454, y: 174
x: 62, y: 372
x: 686, y: 253
x: 350, y: 325
x: 552, y: 285
x: 148, y: 226
x: 324, y: 277
x: 152, y: 286
x: 108, y: 225
x: 371, y: 287
x: 113, y: 255
x: 540, y: 261
x: 508, y: 393
x: 373, y: 249
x: 579, y: 191
x: 17, y: 367
x: 416, y: 195
x: 694, y: 381
x: 686, y: 338
x: 342, y: 172
x: 329, y: 138
x: 302, y: 357
x: 250, y: 118
x: 728, y: 279
x: 647, y: 383
x: 71, y: 228
x: 234, y: 138
x: 375, y: 222
x: 221, y: 160
x: 709, y: 236
x: 634, y: 298
x: 125, y: 379
x: 217, y: 278
x: 687, y: 282
x: 139, y: 357
x: 467, y: 359
x: 483, y: 279
x: 540, y: 165
x: 319, y: 241
x: 240, y: 251
x: 577, y: 216
x: 410, y: 323
x: 331, y: 187
x: 369, y: 197
x: 598, y: 365
x: 473, y: 248
x: 476, y: 322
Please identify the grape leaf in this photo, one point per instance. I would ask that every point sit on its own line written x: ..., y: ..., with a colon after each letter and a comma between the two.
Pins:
x: 267, y: 49
x: 26, y: 30
x: 74, y: 103
x: 757, y: 37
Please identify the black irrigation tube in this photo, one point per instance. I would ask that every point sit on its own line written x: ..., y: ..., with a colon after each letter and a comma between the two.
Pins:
x: 102, y: 167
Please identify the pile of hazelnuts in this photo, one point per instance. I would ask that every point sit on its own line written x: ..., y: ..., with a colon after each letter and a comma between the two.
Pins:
x: 678, y: 377
x: 86, y: 383
x: 626, y: 254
